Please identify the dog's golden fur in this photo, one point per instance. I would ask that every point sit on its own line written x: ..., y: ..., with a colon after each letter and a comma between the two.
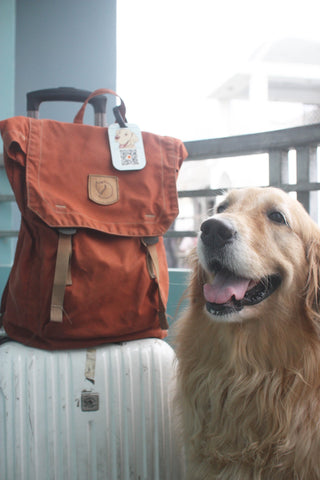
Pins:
x: 249, y: 385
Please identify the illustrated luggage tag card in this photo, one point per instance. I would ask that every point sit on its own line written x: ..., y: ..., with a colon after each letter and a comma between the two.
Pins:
x: 126, y: 146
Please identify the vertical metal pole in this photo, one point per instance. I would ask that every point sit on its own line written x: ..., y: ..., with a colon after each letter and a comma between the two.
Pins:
x: 100, y: 119
x: 278, y: 167
x: 306, y: 172
x: 33, y: 113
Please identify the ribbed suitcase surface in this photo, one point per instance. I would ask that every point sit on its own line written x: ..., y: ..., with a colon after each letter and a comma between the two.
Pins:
x: 57, y: 425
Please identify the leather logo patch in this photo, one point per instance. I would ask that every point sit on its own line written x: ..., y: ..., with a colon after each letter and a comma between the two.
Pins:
x: 103, y: 189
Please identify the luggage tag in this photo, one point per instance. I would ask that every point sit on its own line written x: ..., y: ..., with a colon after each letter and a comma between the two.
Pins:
x: 126, y: 146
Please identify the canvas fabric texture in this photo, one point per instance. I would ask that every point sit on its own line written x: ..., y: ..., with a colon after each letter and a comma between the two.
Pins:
x: 90, y: 235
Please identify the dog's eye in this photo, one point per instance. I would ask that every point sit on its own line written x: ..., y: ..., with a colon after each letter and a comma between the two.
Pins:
x: 222, y: 207
x: 277, y: 217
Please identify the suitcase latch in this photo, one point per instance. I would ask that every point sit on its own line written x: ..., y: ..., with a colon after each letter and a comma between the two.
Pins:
x: 89, y: 401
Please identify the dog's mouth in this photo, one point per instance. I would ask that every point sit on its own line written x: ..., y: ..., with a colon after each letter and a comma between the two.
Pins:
x: 229, y: 293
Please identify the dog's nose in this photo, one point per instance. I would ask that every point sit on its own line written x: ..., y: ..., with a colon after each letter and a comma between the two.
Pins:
x: 217, y: 232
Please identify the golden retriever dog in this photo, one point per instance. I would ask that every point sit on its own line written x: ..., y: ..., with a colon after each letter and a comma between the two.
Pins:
x: 248, y: 346
x: 126, y: 138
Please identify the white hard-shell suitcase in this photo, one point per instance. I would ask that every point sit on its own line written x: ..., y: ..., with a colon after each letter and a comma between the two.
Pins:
x: 99, y: 414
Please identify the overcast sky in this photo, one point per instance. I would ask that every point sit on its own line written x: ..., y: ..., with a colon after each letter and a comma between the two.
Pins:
x: 172, y: 53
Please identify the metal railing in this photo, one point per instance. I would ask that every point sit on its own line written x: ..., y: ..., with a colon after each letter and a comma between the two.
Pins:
x: 277, y: 144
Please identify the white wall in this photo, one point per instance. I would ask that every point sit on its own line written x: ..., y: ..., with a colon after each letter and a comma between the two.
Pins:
x: 64, y: 43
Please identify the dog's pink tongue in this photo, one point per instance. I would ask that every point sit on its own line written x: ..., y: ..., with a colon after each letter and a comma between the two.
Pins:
x: 224, y: 287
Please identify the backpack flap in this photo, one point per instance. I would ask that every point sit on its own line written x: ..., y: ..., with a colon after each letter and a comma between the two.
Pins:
x: 71, y: 182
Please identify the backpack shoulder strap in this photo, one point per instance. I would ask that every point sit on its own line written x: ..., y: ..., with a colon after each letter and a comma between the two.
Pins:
x: 62, y: 274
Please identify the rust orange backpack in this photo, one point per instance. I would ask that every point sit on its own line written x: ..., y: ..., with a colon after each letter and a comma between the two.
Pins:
x: 90, y: 265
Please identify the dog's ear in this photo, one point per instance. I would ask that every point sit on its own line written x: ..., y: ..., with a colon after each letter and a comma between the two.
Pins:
x: 312, y: 293
x: 197, y: 278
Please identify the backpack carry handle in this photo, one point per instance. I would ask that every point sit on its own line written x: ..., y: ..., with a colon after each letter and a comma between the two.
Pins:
x: 96, y: 94
x: 66, y: 94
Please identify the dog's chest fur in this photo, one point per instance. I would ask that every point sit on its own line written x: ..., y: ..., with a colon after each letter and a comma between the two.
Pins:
x: 254, y: 420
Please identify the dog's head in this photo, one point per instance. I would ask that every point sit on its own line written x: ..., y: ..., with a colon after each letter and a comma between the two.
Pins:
x: 126, y: 138
x: 260, y: 251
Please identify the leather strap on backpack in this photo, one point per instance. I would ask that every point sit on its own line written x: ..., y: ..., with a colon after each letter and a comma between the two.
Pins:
x: 153, y: 266
x: 121, y: 109
x: 62, y: 274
